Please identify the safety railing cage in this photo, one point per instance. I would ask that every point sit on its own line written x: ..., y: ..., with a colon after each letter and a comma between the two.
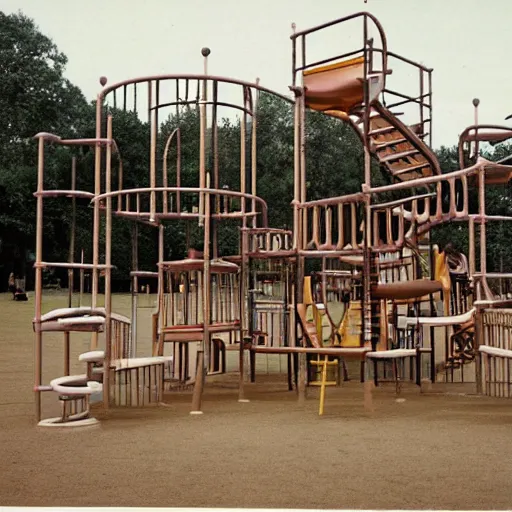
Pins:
x: 415, y: 106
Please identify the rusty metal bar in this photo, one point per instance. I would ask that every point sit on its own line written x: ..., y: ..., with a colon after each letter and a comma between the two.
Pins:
x: 108, y: 262
x: 187, y: 78
x: 330, y: 59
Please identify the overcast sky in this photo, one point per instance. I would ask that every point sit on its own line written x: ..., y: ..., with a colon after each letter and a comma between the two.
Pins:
x: 466, y: 42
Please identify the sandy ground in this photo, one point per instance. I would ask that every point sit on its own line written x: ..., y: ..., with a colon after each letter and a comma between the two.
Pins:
x: 437, y: 451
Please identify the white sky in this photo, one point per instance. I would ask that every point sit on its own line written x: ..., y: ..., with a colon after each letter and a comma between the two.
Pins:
x: 465, y: 41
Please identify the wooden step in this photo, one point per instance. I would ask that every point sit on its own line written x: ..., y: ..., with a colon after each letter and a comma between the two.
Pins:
x: 398, y: 156
x: 386, y: 144
x: 404, y: 170
x: 378, y: 115
x: 414, y: 175
x: 380, y: 131
x: 415, y: 128
x: 378, y: 122
x: 410, y: 161
x: 395, y: 149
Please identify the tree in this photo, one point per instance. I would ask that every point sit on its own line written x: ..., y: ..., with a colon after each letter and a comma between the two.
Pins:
x: 35, y: 96
x: 497, y: 202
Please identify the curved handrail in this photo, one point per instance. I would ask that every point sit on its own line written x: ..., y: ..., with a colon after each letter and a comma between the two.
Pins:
x: 363, y: 14
x: 56, y: 139
x: 477, y: 127
x: 358, y: 197
x: 176, y: 132
x: 421, y: 182
x: 215, y: 78
x: 211, y: 191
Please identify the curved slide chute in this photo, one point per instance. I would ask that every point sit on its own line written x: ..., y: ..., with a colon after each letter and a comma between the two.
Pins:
x: 336, y: 87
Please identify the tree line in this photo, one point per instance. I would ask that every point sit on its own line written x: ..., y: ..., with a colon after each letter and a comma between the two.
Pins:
x: 35, y: 96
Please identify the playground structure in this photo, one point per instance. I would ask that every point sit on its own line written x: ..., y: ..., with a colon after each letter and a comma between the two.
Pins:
x: 384, y: 293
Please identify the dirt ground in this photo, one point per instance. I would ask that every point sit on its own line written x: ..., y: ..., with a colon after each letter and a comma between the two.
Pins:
x: 433, y: 451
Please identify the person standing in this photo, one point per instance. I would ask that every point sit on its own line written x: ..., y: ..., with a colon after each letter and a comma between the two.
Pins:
x: 12, y: 284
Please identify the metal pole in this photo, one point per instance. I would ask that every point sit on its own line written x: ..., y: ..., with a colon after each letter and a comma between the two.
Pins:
x: 202, y: 139
x: 242, y: 291
x: 71, y: 257
x: 161, y: 283
x: 108, y: 271
x: 152, y: 156
x: 135, y: 288
x: 471, y: 242
x: 302, y: 218
x: 38, y: 278
x: 204, y: 220
x: 82, y: 275
x: 96, y: 218
x: 203, y: 359
x: 476, y: 102
x: 243, y: 170
x: 254, y: 151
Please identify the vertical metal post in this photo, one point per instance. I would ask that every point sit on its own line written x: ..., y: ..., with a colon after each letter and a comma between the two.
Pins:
x: 254, y: 165
x: 243, y: 313
x: 476, y: 102
x: 153, y: 123
x: 71, y: 257
x: 203, y: 359
x: 243, y: 170
x: 296, y: 177
x: 431, y: 107
x: 366, y: 309
x: 96, y: 217
x: 161, y: 287
x: 38, y: 367
x: 82, y: 277
x: 215, y: 165
x: 204, y: 220
x: 471, y: 243
x: 433, y: 373
x: 135, y: 288
x: 302, y: 218
x: 72, y: 234
x: 481, y: 207
x: 422, y: 100
x: 108, y: 270
x: 202, y: 139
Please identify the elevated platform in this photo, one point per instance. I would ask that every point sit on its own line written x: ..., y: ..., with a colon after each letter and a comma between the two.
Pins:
x: 80, y: 319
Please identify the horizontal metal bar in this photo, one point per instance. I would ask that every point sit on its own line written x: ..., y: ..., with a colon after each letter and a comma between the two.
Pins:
x: 478, y: 218
x: 409, y: 100
x: 493, y: 275
x: 331, y: 201
x: 332, y: 23
x: 142, y: 273
x: 192, y: 102
x: 401, y: 201
x: 42, y: 388
x: 421, y: 182
x: 409, y: 61
x: 66, y: 193
x: 83, y: 266
x: 267, y: 230
x: 325, y: 61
